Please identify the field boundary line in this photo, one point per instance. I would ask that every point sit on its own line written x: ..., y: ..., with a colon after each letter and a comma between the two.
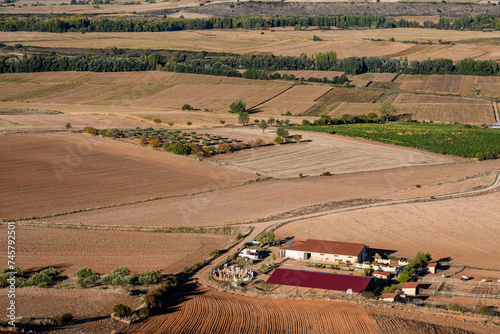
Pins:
x: 269, y: 99
x: 495, y: 111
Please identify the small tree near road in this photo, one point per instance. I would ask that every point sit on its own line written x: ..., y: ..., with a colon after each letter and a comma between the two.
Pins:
x: 263, y: 125
x: 237, y: 107
x: 244, y: 118
x: 68, y: 126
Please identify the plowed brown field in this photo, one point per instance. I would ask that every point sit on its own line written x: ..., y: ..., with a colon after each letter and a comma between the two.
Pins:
x: 42, y: 174
x: 205, y: 311
x: 70, y: 249
x: 216, y: 312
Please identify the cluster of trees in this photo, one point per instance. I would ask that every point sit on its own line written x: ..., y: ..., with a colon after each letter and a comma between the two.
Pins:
x: 36, y: 63
x: 257, y: 66
x: 420, y: 260
x: 123, y: 24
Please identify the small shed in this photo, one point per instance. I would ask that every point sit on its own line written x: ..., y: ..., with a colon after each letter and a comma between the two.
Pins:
x: 431, y: 268
x: 388, y: 297
x: 382, y: 275
x: 410, y: 288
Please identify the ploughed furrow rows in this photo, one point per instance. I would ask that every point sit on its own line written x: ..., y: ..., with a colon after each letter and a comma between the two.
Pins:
x: 216, y: 312
x: 394, y: 325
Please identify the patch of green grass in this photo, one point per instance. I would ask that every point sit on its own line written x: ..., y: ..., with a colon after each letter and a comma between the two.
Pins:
x: 458, y: 140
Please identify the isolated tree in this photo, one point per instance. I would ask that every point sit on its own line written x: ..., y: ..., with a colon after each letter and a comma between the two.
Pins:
x: 263, y: 125
x: 387, y: 111
x: 271, y: 121
x: 237, y: 107
x: 297, y: 138
x: 270, y: 237
x: 278, y: 140
x: 282, y: 132
x: 68, y: 126
x: 244, y: 118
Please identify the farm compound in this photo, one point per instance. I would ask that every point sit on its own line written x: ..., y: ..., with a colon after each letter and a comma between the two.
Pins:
x: 325, y: 251
x: 349, y: 284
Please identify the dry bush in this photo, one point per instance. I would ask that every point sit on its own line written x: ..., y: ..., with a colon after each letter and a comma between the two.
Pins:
x: 154, y: 143
x: 143, y: 141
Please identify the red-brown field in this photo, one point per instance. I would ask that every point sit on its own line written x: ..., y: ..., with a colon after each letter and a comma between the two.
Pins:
x: 462, y: 229
x: 43, y: 174
x: 103, y: 250
x: 205, y: 311
x: 82, y: 304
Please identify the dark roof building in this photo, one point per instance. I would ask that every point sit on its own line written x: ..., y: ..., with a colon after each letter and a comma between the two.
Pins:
x: 319, y: 280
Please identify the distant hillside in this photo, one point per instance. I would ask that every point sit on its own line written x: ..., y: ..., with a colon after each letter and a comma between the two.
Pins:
x: 331, y: 8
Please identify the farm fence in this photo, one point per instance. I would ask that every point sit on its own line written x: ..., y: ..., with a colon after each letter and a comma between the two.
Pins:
x: 458, y: 294
x: 451, y: 280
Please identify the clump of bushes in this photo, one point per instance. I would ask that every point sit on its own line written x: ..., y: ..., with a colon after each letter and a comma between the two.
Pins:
x: 63, y: 319
x: 187, y: 107
x: 90, y: 130
x: 149, y: 277
x: 86, y: 277
x: 44, y: 277
x: 122, y: 311
x: 120, y: 276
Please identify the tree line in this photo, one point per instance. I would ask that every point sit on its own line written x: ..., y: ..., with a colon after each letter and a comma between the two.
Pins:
x: 60, y: 24
x: 256, y: 66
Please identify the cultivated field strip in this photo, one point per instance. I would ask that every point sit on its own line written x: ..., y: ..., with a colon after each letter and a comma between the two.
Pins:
x: 296, y: 100
x: 331, y: 154
x: 216, y: 312
x: 393, y: 325
x: 355, y: 95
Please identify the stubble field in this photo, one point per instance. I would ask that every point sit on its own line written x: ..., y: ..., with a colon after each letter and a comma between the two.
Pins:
x: 283, y: 41
x: 69, y: 249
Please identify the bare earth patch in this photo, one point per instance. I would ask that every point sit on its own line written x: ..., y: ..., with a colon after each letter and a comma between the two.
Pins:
x: 43, y: 174
x: 464, y: 229
x: 70, y: 249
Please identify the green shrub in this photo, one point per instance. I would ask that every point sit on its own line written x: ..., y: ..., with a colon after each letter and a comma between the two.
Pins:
x: 149, y: 277
x: 84, y: 272
x: 457, y: 307
x: 122, y: 311
x: 63, y: 318
x: 485, y: 310
x: 90, y: 130
x: 278, y: 140
x: 143, y: 312
x: 187, y: 107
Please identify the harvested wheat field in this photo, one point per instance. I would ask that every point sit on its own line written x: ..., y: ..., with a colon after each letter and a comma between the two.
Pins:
x: 296, y: 100
x: 62, y: 172
x: 281, y: 41
x: 449, y: 113
x: 319, y: 153
x: 463, y: 229
x: 24, y: 120
x: 104, y: 250
x: 455, y: 84
x: 138, y: 92
x: 205, y: 311
x: 275, y: 197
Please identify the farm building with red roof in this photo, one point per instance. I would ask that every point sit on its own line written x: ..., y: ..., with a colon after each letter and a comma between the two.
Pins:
x: 325, y: 251
x: 319, y: 280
